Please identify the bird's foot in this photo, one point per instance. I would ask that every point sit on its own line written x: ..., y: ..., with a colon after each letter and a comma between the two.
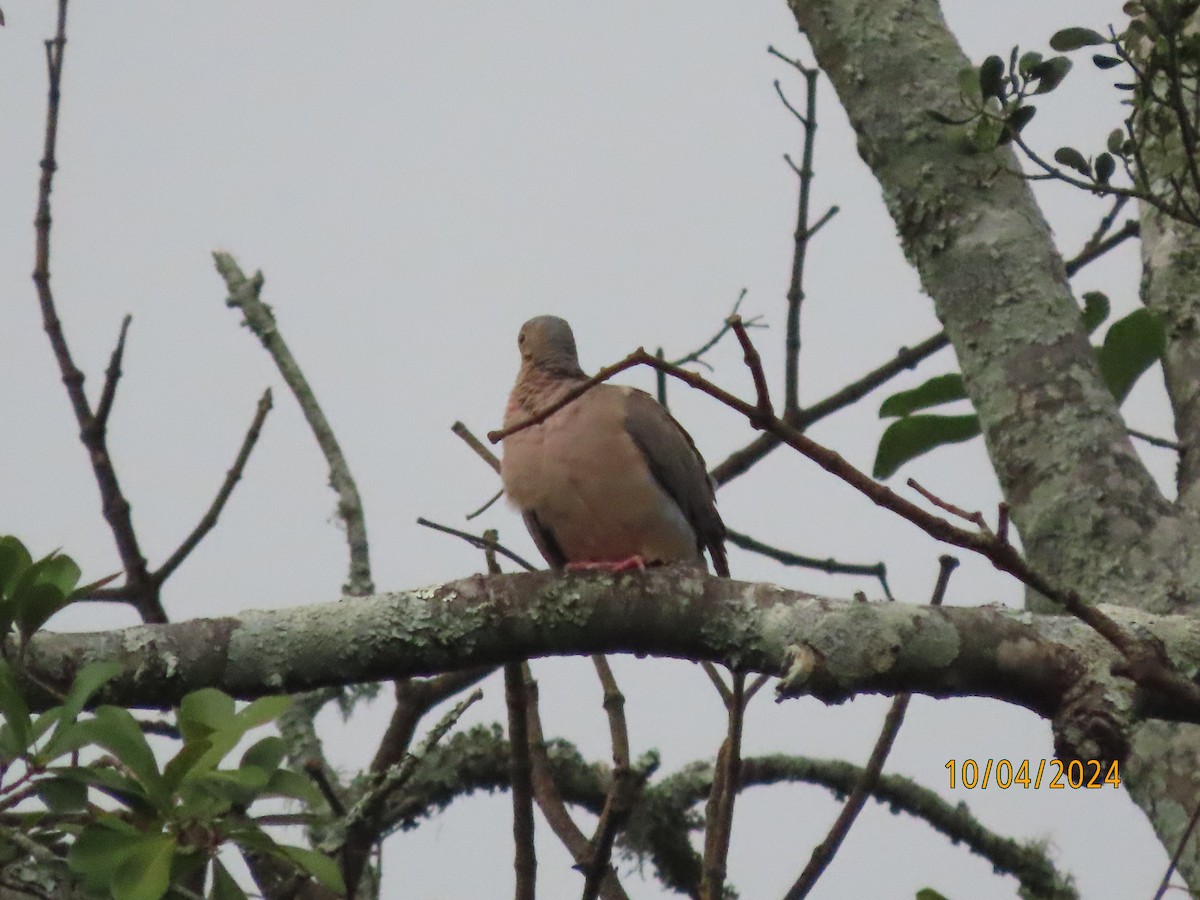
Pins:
x: 635, y: 562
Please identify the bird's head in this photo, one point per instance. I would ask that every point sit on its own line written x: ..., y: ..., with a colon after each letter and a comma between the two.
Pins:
x: 546, y: 343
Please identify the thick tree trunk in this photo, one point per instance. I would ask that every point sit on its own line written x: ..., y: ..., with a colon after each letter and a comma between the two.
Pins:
x: 1089, y: 514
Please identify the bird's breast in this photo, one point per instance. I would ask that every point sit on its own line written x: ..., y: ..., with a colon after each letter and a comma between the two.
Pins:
x: 586, y: 480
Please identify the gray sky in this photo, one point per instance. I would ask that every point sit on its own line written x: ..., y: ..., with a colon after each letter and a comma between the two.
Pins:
x: 417, y: 179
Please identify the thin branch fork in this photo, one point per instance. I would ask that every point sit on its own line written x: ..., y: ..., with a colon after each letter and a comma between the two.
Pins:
x: 550, y: 801
x: 1143, y: 662
x: 727, y: 776
x: 618, y: 803
x: 824, y: 852
x: 258, y: 317
x: 832, y: 566
x: 741, y: 461
x: 115, y: 506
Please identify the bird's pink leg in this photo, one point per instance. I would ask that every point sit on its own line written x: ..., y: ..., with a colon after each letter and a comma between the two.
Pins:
x: 636, y: 561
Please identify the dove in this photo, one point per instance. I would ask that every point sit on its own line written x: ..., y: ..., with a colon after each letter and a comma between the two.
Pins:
x: 610, y: 481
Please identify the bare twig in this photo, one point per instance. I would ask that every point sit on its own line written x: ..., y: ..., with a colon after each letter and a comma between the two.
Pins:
x: 550, y: 801
x: 142, y: 592
x: 824, y: 852
x: 718, y: 812
x: 1155, y: 441
x: 316, y: 771
x: 488, y: 505
x: 414, y: 698
x: 1090, y: 251
x: 520, y: 768
x: 697, y: 355
x: 209, y: 519
x: 619, y: 801
x: 834, y: 567
x: 1106, y: 222
x: 795, y: 292
x: 741, y: 461
x: 975, y: 518
x: 476, y: 541
x: 395, y: 776
x: 111, y: 376
x: 754, y: 364
x: 1165, y: 884
x: 477, y: 445
x: 260, y: 319
x: 521, y: 779
x: 660, y: 382
x: 794, y: 63
x: 717, y: 681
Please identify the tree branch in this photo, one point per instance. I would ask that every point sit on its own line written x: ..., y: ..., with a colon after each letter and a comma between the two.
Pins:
x: 260, y: 319
x: 142, y: 592
x: 1045, y: 664
x: 232, y: 477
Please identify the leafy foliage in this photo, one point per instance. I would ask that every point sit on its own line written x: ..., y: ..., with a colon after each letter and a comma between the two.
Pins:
x: 129, y: 828
x: 1131, y: 346
x: 1158, y: 142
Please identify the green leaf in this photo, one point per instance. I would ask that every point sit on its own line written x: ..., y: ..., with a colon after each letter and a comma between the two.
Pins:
x: 929, y: 894
x: 1103, y: 61
x: 937, y: 390
x: 14, y: 559
x: 968, y: 83
x: 62, y: 795
x: 100, y: 848
x: 1116, y: 141
x: 1021, y: 117
x: 263, y: 710
x: 294, y: 786
x: 1131, y: 346
x: 16, y: 733
x: 1072, y: 158
x: 87, y: 681
x: 1050, y: 73
x: 1105, y: 166
x: 223, y: 885
x: 913, y: 436
x: 986, y: 133
x: 146, y: 872
x: 1095, y: 310
x: 36, y: 605
x: 240, y: 786
x: 991, y: 77
x: 116, y: 730
x: 182, y: 763
x: 204, y: 711
x: 1029, y: 62
x: 1073, y: 38
x: 59, y: 570
x: 267, y: 754
x: 318, y: 865
x: 120, y: 787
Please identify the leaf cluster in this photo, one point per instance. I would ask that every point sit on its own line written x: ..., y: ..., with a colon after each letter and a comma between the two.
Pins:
x: 87, y: 788
x: 1155, y: 147
x: 1130, y: 347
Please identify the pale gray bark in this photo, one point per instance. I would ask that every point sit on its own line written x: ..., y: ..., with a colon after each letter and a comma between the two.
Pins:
x: 1078, y: 493
x: 1087, y: 511
x: 821, y: 647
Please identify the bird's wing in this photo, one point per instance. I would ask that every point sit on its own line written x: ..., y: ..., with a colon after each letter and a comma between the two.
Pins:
x: 678, y: 467
x: 543, y: 538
